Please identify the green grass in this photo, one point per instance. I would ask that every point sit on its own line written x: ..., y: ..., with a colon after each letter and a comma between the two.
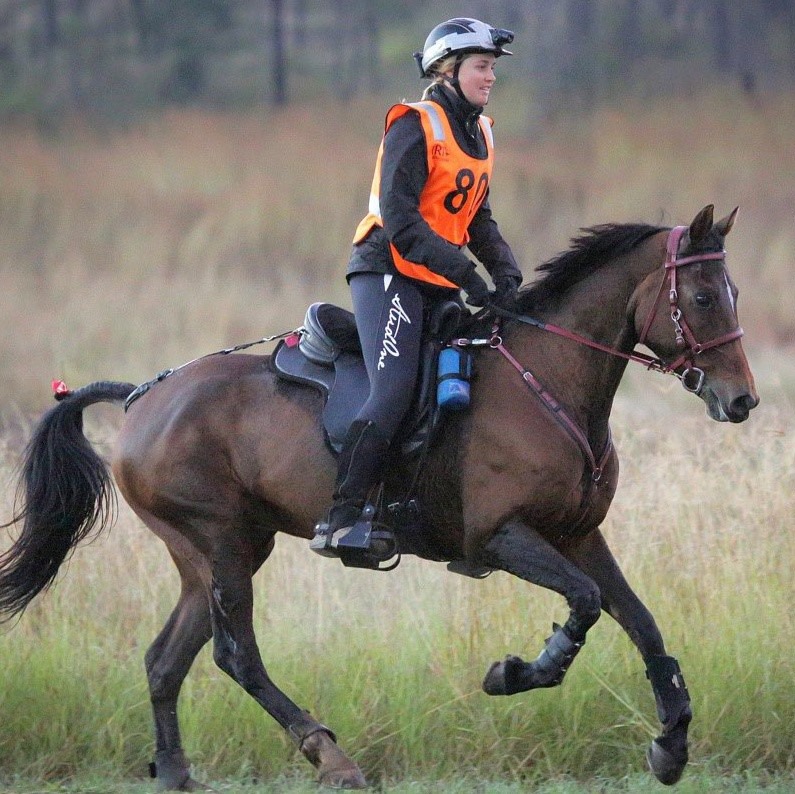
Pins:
x: 393, y: 662
x: 700, y: 782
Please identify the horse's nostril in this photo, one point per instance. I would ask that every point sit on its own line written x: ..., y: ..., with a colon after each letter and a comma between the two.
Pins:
x: 741, y: 406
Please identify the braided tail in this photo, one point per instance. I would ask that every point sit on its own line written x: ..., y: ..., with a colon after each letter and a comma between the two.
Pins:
x: 65, y: 494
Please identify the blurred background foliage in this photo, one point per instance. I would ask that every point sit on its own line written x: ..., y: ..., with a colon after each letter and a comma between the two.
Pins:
x: 115, y: 58
x: 178, y: 176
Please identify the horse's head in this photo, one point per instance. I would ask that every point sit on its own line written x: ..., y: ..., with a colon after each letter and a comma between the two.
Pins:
x: 690, y: 319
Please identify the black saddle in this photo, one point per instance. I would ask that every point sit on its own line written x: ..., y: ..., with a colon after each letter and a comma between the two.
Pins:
x: 325, y: 353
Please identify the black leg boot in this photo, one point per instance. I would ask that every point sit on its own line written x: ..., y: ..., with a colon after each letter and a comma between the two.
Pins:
x: 360, y: 464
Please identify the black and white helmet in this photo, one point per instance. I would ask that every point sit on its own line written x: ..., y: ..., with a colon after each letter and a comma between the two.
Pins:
x: 460, y: 36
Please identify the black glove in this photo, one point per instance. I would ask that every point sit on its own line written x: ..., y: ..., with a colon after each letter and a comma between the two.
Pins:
x: 505, y: 293
x: 476, y: 289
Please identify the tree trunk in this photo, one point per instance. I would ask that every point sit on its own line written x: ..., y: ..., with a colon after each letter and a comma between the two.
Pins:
x: 279, y: 62
x: 51, y: 30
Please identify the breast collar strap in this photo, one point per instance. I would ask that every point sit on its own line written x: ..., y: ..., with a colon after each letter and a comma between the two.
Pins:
x: 557, y: 410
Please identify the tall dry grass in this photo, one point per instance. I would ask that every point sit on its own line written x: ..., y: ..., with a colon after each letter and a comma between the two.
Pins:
x: 130, y: 251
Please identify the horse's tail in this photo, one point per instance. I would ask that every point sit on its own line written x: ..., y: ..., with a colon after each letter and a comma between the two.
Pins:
x: 65, y: 493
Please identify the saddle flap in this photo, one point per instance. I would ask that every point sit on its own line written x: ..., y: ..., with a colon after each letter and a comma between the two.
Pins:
x: 343, y: 386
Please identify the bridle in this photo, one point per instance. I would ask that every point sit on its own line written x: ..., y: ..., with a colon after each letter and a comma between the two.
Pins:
x: 686, y: 341
x: 692, y: 377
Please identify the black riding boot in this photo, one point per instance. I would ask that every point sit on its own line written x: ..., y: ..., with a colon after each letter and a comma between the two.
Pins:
x: 360, y: 464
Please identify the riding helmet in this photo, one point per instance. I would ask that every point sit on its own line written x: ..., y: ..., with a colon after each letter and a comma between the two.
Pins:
x: 461, y: 36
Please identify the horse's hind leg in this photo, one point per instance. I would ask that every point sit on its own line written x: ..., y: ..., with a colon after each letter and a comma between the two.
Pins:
x: 522, y: 551
x: 237, y: 654
x: 668, y: 753
x: 167, y: 663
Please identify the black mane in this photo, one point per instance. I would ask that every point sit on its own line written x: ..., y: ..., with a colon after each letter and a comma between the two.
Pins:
x: 590, y: 251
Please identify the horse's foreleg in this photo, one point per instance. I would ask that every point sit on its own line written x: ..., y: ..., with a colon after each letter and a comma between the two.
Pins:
x: 237, y: 654
x: 668, y: 753
x: 521, y: 551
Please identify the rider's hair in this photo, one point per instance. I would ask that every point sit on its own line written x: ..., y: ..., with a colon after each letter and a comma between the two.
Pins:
x: 438, y: 71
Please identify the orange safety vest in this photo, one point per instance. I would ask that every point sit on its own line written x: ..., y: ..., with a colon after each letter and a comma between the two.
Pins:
x: 456, y: 187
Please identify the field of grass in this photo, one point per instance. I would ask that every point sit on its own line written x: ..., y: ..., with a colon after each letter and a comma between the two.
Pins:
x: 393, y: 662
x: 125, y: 253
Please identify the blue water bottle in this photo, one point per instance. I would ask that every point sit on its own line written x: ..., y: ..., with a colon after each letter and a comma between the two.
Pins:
x: 452, y: 378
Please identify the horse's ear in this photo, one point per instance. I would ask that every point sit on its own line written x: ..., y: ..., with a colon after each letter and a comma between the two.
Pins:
x: 702, y: 224
x: 724, y: 226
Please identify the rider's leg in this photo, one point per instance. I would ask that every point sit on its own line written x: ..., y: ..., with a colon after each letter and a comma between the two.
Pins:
x: 389, y: 311
x: 360, y: 465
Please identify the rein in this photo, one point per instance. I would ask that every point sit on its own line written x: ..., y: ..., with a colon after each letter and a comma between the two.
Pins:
x: 685, y: 342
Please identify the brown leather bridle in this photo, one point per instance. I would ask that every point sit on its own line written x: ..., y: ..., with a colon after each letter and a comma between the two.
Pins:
x: 692, y: 377
x: 686, y: 341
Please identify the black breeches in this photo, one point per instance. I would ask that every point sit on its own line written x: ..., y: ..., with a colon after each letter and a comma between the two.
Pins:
x: 389, y: 314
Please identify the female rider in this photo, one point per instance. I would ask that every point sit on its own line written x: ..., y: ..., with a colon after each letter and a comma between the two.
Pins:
x: 429, y: 198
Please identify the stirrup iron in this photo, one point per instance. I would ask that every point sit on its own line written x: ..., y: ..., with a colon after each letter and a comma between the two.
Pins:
x: 354, y: 544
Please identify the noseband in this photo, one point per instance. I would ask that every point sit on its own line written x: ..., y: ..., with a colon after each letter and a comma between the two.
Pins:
x: 692, y: 377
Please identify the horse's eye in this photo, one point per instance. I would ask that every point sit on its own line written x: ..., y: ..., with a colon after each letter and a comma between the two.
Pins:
x: 703, y: 300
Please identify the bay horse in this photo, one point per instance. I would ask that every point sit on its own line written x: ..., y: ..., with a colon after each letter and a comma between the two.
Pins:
x: 216, y: 459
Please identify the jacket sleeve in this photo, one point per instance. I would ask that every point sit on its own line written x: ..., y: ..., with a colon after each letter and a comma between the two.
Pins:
x: 489, y: 246
x: 404, y: 172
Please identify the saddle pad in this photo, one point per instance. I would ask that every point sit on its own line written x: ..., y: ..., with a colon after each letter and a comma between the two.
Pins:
x: 344, y: 387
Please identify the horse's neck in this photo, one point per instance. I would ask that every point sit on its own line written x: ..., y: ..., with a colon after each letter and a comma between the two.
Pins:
x: 598, y: 309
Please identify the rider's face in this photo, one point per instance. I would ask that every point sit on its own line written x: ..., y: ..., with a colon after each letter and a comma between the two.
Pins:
x: 476, y: 77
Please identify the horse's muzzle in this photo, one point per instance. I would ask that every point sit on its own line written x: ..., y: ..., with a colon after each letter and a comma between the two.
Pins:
x: 734, y: 409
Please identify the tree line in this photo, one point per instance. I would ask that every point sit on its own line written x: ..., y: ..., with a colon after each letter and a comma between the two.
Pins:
x: 119, y: 56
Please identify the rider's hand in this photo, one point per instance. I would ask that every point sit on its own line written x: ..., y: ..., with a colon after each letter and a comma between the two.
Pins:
x: 476, y: 289
x: 505, y: 293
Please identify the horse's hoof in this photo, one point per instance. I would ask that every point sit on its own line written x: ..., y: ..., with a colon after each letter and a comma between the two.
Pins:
x: 335, y: 769
x: 188, y: 784
x: 665, y: 766
x: 172, y: 771
x: 495, y: 682
x: 349, y: 778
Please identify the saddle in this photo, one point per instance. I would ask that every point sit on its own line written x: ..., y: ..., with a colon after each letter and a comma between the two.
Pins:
x: 325, y: 353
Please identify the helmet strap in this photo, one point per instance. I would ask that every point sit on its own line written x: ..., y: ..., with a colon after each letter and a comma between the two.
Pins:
x: 453, y: 81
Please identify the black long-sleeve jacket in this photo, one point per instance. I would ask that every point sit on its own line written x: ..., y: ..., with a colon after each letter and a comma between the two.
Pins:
x: 404, y: 171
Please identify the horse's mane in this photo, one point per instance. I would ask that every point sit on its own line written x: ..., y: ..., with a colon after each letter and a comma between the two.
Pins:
x: 590, y: 251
